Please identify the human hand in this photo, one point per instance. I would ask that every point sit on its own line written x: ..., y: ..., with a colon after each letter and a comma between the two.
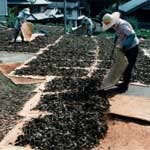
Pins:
x: 123, y: 50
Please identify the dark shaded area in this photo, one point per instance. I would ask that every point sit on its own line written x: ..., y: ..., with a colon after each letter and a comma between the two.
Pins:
x: 128, y: 119
x: 97, y: 6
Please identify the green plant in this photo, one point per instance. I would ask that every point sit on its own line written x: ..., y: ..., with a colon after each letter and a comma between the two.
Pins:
x: 133, y: 21
x: 11, y: 16
x: 144, y: 33
x: 69, y: 27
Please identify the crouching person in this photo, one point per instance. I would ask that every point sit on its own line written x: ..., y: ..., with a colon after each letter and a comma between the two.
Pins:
x: 88, y: 24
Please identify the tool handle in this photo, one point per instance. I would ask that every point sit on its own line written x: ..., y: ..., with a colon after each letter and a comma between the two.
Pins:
x: 115, y: 41
x: 112, y: 52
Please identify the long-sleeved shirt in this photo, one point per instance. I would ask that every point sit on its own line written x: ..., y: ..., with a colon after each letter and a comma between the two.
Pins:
x: 89, y: 24
x: 21, y: 18
x: 123, y: 30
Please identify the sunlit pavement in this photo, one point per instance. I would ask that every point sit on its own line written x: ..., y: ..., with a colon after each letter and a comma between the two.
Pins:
x: 137, y: 90
x: 13, y: 57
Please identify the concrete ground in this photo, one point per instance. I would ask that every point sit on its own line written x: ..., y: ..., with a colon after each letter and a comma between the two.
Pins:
x: 142, y: 91
x: 129, y: 121
x: 13, y: 57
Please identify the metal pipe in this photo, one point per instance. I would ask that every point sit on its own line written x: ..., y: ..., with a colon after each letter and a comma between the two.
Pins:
x: 65, y: 16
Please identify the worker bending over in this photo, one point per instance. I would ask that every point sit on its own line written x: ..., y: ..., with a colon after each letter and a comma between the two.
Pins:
x: 88, y: 24
x: 21, y: 18
x: 126, y: 40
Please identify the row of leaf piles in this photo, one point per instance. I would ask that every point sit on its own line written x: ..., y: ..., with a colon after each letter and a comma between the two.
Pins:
x: 12, y: 99
x: 73, y: 52
x: 69, y: 57
x: 51, y: 34
x: 77, y: 119
x: 76, y: 122
x: 77, y: 111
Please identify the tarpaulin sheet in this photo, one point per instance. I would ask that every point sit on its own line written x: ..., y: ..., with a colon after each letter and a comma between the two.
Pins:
x: 5, y: 69
x: 131, y: 106
x: 27, y: 29
x: 117, y: 69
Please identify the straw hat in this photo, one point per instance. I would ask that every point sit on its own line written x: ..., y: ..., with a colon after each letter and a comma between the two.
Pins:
x: 109, y: 20
x: 26, y: 11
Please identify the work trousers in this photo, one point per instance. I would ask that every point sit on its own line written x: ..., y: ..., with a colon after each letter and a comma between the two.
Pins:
x: 131, y: 55
x: 17, y: 31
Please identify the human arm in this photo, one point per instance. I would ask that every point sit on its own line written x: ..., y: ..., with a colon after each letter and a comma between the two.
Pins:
x: 128, y: 41
x: 33, y: 17
x: 128, y: 36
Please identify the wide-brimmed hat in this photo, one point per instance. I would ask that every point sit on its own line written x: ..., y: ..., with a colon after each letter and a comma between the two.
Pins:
x: 26, y: 11
x: 109, y: 20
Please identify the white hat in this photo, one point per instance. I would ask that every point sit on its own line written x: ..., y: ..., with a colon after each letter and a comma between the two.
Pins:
x: 109, y: 20
x: 81, y: 17
x: 26, y: 11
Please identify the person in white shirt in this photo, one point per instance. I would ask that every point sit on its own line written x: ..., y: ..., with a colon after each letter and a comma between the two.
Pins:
x: 88, y: 23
